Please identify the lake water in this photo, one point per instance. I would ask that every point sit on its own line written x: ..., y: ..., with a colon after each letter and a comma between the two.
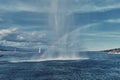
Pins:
x: 105, y: 68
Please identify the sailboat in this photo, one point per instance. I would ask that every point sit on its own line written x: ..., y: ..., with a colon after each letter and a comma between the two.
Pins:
x: 39, y: 50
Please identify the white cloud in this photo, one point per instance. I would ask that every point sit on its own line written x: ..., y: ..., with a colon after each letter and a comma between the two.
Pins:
x: 4, y: 32
x: 88, y: 26
x: 103, y: 34
x: 68, y: 5
x: 94, y: 6
x: 85, y: 27
x: 113, y: 21
x: 13, y: 34
x: 84, y: 31
x: 24, y: 6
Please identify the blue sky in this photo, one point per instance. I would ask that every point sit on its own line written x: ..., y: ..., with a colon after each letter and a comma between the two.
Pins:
x: 90, y: 24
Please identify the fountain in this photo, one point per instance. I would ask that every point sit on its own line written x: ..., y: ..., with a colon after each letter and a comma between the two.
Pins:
x: 59, y: 50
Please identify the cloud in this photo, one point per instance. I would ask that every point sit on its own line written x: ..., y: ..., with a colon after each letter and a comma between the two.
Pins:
x: 27, y: 5
x: 94, y: 6
x: 88, y: 26
x: 4, y: 32
x: 63, y: 5
x: 102, y: 34
x: 8, y: 34
x: 113, y: 20
x: 84, y: 27
x: 92, y: 30
x: 16, y: 35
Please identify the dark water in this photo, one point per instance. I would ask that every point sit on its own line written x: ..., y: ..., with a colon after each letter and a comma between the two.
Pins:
x: 91, y: 69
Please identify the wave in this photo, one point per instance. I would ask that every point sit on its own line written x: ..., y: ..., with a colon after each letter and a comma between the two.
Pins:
x: 80, y: 56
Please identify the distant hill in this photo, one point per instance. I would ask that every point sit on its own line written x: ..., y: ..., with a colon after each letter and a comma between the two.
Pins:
x: 115, y: 51
x: 10, y: 48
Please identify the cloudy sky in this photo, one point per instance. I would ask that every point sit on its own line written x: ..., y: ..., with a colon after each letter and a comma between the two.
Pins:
x: 91, y: 24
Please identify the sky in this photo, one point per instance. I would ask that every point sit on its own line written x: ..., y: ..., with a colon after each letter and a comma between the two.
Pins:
x: 89, y: 24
